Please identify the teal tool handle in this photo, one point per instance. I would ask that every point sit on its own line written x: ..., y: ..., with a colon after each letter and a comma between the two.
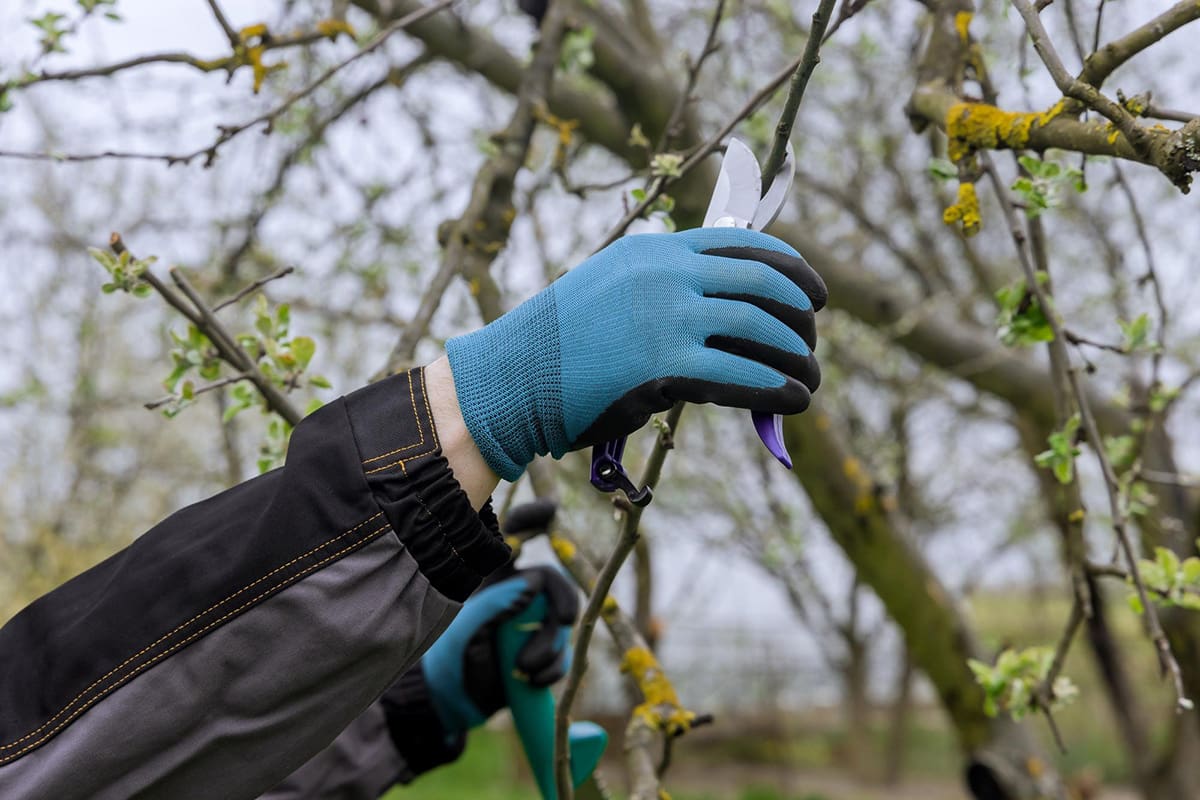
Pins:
x: 533, y: 710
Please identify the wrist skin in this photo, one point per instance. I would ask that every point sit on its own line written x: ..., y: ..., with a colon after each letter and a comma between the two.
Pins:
x: 458, y: 448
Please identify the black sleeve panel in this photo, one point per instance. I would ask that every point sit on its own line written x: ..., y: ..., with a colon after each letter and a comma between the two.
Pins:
x: 454, y: 546
x: 357, y: 468
x: 416, y: 731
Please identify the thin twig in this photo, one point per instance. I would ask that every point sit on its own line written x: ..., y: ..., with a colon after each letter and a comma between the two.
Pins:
x: 791, y: 106
x: 1045, y: 690
x: 208, y: 387
x: 1077, y: 89
x: 1076, y: 339
x: 711, y: 145
x: 848, y: 9
x: 258, y: 284
x: 267, y: 118
x: 1166, y: 658
x: 199, y: 314
x: 474, y: 239
x: 591, y: 613
x: 219, y: 16
x: 1174, y: 115
x: 694, y: 67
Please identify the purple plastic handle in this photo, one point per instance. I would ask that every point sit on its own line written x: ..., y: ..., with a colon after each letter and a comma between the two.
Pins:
x: 770, y: 430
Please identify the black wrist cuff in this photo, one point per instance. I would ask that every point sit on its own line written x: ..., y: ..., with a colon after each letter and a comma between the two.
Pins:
x: 415, y: 729
x: 454, y: 546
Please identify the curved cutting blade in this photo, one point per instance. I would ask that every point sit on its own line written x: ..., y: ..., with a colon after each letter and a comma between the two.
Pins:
x: 738, y: 189
x: 777, y: 192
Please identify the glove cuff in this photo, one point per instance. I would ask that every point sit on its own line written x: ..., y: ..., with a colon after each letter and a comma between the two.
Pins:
x: 415, y: 727
x: 509, y: 384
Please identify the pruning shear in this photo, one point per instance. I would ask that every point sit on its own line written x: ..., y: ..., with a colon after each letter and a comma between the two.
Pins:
x: 738, y: 201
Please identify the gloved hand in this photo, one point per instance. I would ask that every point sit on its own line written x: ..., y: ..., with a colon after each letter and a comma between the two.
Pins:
x: 460, y: 675
x: 711, y: 315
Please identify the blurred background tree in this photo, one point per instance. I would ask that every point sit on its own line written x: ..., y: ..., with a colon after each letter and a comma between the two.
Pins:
x: 1009, y: 354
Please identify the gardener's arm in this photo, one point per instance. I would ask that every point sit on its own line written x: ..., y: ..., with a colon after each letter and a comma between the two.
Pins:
x: 234, y: 640
x: 423, y: 719
x: 237, y: 638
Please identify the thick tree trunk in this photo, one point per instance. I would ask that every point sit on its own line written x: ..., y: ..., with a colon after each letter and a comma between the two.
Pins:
x: 901, y: 710
x: 1001, y: 761
x: 856, y: 707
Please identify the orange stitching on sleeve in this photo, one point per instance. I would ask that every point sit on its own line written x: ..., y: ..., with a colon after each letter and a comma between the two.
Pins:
x: 136, y: 670
x: 428, y: 413
x: 420, y: 428
x: 172, y: 632
x: 400, y: 462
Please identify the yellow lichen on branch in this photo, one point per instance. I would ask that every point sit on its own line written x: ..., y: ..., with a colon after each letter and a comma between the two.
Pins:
x: 657, y: 693
x: 258, y: 31
x: 965, y: 210
x: 563, y: 549
x: 980, y: 126
x: 333, y: 27
x: 962, y: 24
x: 564, y: 127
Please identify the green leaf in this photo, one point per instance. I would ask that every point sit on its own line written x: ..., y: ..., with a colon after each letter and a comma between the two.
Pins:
x: 666, y: 165
x: 320, y: 381
x: 1135, y: 333
x: 303, y: 348
x: 1190, y: 571
x: 943, y: 169
x: 1121, y: 450
x: 1020, y: 320
x: 1168, y: 562
x: 1135, y: 603
x: 577, y: 54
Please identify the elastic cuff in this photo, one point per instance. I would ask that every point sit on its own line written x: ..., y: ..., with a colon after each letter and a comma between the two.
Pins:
x: 415, y: 728
x: 454, y: 546
x: 508, y: 380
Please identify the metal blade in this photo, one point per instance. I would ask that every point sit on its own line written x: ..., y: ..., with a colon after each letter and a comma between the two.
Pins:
x: 738, y: 189
x: 777, y: 192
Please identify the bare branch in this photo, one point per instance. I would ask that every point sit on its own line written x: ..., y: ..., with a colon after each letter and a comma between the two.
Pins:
x: 791, y: 106
x: 656, y: 188
x: 1106, y: 59
x: 1166, y: 658
x: 258, y: 284
x: 694, y: 67
x: 219, y: 16
x: 473, y: 241
x: 267, y: 118
x: 596, y: 601
x: 1078, y: 89
x: 199, y: 314
x: 208, y: 387
x: 1174, y: 115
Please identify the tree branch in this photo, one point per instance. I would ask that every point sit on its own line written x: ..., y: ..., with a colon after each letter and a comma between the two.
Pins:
x: 599, y: 597
x: 267, y: 118
x: 196, y: 311
x: 1104, y: 61
x: 1166, y: 659
x: 249, y: 288
x: 791, y: 106
x: 474, y: 240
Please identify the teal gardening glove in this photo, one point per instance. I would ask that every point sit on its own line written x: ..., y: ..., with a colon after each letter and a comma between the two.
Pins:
x: 712, y: 315
x: 459, y: 680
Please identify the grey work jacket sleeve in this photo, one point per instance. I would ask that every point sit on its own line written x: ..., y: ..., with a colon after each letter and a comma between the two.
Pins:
x: 398, y: 738
x: 236, y: 639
